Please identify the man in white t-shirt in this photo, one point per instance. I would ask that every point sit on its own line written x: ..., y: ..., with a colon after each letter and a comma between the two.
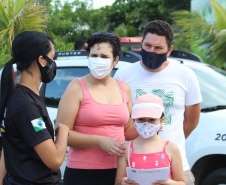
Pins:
x: 176, y: 84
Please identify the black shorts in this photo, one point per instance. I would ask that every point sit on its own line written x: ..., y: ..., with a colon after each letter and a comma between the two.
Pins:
x: 9, y: 180
x: 89, y: 177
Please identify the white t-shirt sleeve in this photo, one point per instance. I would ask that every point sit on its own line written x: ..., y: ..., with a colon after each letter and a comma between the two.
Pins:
x: 119, y: 74
x: 193, y: 94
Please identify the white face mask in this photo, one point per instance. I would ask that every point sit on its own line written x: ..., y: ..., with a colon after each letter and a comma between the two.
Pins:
x: 146, y: 129
x: 99, y: 67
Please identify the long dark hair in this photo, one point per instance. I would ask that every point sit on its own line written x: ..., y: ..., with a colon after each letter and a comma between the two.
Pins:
x: 26, y: 48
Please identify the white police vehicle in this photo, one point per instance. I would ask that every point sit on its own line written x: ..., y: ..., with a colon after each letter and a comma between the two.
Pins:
x: 205, y: 147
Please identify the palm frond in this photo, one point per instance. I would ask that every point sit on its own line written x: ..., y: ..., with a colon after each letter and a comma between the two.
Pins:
x: 219, y: 14
x: 20, y: 16
x: 3, y: 13
x: 19, y: 4
x: 4, y: 37
x: 10, y: 8
x: 209, y: 37
x: 195, y: 26
x: 220, y: 45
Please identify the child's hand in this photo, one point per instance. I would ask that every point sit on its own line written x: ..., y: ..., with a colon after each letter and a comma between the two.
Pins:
x: 168, y: 182
x: 126, y: 181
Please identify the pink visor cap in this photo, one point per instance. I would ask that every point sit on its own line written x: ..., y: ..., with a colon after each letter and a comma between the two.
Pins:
x: 147, y: 105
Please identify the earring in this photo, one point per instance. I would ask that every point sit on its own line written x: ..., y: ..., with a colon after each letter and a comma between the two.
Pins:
x: 43, y: 66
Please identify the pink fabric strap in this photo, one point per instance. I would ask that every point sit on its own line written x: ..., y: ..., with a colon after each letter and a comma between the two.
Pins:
x: 165, y: 146
x: 123, y: 91
x: 129, y: 147
x: 85, y: 90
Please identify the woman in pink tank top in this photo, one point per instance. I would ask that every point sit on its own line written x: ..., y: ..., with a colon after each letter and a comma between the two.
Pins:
x: 149, y: 151
x: 97, y: 110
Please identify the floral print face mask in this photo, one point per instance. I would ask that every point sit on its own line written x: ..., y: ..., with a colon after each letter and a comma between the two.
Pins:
x: 146, y: 129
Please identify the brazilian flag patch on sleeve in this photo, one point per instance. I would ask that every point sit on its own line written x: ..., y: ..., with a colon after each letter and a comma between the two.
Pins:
x: 38, y: 124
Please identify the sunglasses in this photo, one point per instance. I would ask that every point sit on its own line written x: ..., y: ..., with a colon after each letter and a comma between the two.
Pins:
x: 104, y: 33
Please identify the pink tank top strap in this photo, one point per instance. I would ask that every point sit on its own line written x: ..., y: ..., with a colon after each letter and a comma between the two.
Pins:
x: 124, y: 95
x: 130, y: 148
x: 84, y: 88
x: 165, y: 146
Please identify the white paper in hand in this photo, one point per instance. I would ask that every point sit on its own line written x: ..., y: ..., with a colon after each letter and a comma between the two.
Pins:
x: 147, y: 176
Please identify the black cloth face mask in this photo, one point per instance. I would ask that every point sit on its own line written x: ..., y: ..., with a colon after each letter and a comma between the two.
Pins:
x: 48, y: 72
x: 152, y: 60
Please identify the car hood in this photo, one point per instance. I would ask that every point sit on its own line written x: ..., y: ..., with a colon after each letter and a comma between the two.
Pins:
x: 208, y: 137
x: 52, y: 114
x: 209, y: 122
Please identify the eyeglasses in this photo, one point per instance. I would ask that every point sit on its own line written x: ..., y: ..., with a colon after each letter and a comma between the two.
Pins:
x: 104, y: 33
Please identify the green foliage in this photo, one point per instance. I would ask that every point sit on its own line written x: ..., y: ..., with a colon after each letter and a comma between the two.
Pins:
x: 75, y: 20
x: 17, y: 16
x: 60, y: 45
x: 209, y: 38
x: 4, y: 55
x: 219, y: 14
x: 128, y: 18
x: 138, y: 13
x: 78, y: 20
x: 126, y: 31
x: 180, y: 40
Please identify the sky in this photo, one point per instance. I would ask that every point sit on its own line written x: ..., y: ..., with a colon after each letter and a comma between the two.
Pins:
x: 100, y: 3
x: 96, y: 3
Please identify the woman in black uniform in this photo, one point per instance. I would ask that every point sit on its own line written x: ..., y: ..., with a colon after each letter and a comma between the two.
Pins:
x: 29, y: 154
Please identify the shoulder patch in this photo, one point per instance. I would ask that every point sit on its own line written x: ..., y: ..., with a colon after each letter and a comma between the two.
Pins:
x: 38, y: 124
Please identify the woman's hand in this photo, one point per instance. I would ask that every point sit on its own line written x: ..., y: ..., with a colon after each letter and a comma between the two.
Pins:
x: 168, y: 182
x: 60, y: 126
x: 111, y: 146
x: 126, y: 181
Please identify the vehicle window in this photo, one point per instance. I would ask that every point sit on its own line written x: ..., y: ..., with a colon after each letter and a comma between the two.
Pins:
x: 55, y: 89
x: 212, y: 84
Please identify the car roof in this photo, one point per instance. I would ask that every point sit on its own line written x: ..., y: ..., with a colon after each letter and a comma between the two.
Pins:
x: 81, y: 61
x: 128, y: 56
x: 187, y: 62
x: 78, y: 58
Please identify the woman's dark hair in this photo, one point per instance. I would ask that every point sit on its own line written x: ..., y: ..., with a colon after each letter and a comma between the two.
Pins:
x: 26, y: 48
x: 103, y: 37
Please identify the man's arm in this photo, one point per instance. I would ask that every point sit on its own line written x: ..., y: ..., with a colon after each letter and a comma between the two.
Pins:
x: 191, y: 118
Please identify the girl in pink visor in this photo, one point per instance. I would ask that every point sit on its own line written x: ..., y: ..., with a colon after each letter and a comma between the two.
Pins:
x: 149, y: 150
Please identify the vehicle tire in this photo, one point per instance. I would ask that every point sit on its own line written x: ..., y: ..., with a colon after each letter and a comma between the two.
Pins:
x: 216, y: 177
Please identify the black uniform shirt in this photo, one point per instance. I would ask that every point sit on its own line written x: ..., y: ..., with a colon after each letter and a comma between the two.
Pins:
x: 26, y: 123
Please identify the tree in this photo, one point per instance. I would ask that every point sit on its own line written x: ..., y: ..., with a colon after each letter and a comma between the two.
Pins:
x: 78, y: 20
x: 209, y: 37
x: 17, y: 16
x: 75, y: 20
x: 138, y: 13
x: 20, y: 15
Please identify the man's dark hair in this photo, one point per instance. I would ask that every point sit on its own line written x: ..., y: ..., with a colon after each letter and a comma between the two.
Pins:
x: 79, y: 44
x: 160, y: 28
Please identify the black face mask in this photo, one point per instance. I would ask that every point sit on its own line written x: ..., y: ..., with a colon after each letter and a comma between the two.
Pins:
x: 48, y: 72
x: 152, y: 60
